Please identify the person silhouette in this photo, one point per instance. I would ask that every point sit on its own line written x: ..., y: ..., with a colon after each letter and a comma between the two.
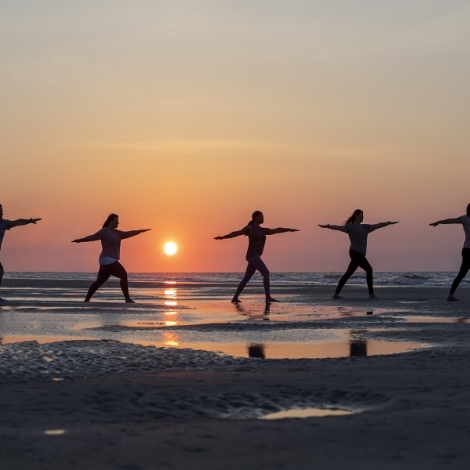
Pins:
x: 5, y: 225
x: 358, y: 233
x: 110, y: 239
x: 464, y: 220
x: 256, y: 241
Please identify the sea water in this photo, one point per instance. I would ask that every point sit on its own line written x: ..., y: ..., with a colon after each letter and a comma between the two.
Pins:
x: 389, y: 279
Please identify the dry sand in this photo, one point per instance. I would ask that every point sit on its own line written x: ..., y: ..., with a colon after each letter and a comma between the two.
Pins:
x: 130, y: 407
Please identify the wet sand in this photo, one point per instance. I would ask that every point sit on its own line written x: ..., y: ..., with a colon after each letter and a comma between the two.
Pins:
x: 112, y: 402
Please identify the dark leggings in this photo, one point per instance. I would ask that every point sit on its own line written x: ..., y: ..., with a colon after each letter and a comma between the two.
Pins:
x: 358, y: 260
x: 115, y: 269
x: 465, y: 266
x: 255, y: 263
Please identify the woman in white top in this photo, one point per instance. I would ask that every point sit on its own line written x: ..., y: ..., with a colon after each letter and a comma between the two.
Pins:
x: 358, y: 233
x: 110, y: 238
x: 465, y: 266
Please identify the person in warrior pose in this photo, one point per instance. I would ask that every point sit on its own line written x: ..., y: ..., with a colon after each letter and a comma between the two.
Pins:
x: 465, y: 266
x: 5, y: 225
x: 256, y: 240
x: 109, y: 258
x: 358, y: 233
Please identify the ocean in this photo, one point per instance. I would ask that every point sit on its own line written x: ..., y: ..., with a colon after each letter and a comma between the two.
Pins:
x: 390, y: 279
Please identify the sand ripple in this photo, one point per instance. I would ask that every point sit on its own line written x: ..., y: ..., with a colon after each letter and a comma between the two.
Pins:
x: 33, y: 362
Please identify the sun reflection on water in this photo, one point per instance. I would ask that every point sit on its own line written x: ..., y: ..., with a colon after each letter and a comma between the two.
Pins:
x: 171, y: 339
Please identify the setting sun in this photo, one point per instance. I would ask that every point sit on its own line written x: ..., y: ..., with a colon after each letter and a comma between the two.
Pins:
x: 170, y: 248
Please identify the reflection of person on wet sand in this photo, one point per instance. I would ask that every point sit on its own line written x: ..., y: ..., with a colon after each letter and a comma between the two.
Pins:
x: 257, y: 238
x: 464, y: 220
x: 257, y: 350
x: 5, y: 225
x: 358, y: 347
x: 109, y: 258
x: 253, y: 315
x: 358, y: 233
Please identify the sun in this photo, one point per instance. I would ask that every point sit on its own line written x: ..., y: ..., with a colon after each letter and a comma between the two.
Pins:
x: 170, y: 248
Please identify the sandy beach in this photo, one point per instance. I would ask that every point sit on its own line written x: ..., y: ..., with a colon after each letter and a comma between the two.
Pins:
x: 107, y: 385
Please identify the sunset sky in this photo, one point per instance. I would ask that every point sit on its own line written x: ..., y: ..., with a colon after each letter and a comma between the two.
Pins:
x: 186, y: 116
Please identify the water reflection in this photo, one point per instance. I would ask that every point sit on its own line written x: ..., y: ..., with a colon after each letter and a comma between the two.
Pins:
x: 307, y: 413
x: 256, y: 350
x: 429, y: 319
x: 357, y: 347
x: 170, y: 318
x: 254, y: 315
x: 239, y: 308
x: 54, y: 432
x: 171, y: 339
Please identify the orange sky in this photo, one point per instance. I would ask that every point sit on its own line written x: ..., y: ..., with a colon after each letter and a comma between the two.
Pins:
x: 186, y: 117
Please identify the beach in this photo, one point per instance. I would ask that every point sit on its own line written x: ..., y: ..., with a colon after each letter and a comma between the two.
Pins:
x: 185, y: 378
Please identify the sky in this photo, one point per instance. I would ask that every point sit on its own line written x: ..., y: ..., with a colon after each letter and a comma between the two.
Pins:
x: 187, y: 116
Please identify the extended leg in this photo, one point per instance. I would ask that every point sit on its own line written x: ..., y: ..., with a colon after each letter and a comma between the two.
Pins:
x: 117, y: 270
x: 258, y: 263
x: 250, y: 270
x: 464, y: 268
x: 1, y: 277
x: 353, y: 265
x: 365, y: 265
x: 102, y: 277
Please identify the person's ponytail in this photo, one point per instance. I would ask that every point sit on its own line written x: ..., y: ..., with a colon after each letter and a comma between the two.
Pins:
x: 253, y: 217
x: 108, y: 220
x: 353, y: 217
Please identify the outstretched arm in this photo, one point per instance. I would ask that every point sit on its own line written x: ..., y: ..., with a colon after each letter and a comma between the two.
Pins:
x: 237, y: 233
x: 91, y: 238
x: 381, y: 225
x: 132, y: 233
x: 18, y: 222
x: 446, y: 221
x: 341, y: 228
x: 273, y: 231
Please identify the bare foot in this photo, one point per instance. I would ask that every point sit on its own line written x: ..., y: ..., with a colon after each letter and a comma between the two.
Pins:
x: 337, y: 296
x: 451, y: 298
x: 129, y: 301
x: 235, y: 300
x: 270, y: 299
x: 372, y: 296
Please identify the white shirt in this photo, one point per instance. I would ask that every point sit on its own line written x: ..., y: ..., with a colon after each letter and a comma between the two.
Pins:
x: 105, y: 260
